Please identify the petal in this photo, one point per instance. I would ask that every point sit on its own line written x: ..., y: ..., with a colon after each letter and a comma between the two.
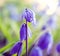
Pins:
x: 58, y: 48
x: 34, y: 21
x: 44, y: 40
x: 50, y: 45
x: 23, y: 32
x: 29, y: 32
x: 16, y: 48
x: 36, y: 51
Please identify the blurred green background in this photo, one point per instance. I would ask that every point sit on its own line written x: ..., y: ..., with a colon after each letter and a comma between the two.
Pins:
x: 10, y: 27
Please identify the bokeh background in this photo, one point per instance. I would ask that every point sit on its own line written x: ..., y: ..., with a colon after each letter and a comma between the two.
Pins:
x: 10, y: 25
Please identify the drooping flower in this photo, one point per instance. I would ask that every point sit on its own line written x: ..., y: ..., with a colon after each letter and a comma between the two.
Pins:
x: 23, y: 32
x: 36, y: 51
x: 44, y: 40
x: 29, y: 15
x: 16, y: 49
x: 58, y: 48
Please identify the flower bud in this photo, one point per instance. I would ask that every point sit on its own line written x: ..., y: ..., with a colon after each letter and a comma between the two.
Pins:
x: 17, y: 48
x: 36, y: 51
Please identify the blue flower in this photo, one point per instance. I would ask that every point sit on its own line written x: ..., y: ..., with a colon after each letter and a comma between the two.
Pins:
x: 58, y: 48
x: 17, y: 48
x: 29, y: 15
x: 44, y: 40
x: 36, y: 51
x: 23, y: 32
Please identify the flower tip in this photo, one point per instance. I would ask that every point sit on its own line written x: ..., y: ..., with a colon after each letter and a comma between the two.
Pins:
x: 58, y: 48
x: 36, y: 51
x: 16, y: 48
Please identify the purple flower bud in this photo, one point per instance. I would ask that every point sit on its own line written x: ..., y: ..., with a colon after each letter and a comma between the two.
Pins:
x: 36, y: 51
x: 58, y: 48
x: 29, y: 15
x: 17, y: 48
x: 44, y: 40
x: 23, y: 32
x: 29, y: 32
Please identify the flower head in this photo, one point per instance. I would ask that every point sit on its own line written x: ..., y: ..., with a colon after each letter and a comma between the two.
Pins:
x: 17, y: 48
x: 29, y: 15
x: 58, y: 48
x: 44, y: 40
x: 23, y: 32
x: 36, y: 51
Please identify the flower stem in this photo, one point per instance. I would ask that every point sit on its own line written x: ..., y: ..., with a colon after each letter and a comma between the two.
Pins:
x: 26, y: 40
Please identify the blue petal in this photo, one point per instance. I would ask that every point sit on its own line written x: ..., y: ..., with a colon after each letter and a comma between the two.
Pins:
x: 23, y: 32
x: 36, y: 51
x: 29, y: 32
x: 44, y: 40
x: 16, y: 48
x: 58, y: 47
x: 50, y: 45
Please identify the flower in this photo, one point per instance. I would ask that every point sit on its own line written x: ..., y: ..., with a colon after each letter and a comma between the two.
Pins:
x: 58, y: 48
x: 36, y: 51
x: 29, y: 15
x: 23, y: 32
x: 44, y: 40
x: 17, y: 48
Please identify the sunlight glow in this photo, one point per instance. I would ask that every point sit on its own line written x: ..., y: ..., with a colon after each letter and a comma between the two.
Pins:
x: 42, y: 4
